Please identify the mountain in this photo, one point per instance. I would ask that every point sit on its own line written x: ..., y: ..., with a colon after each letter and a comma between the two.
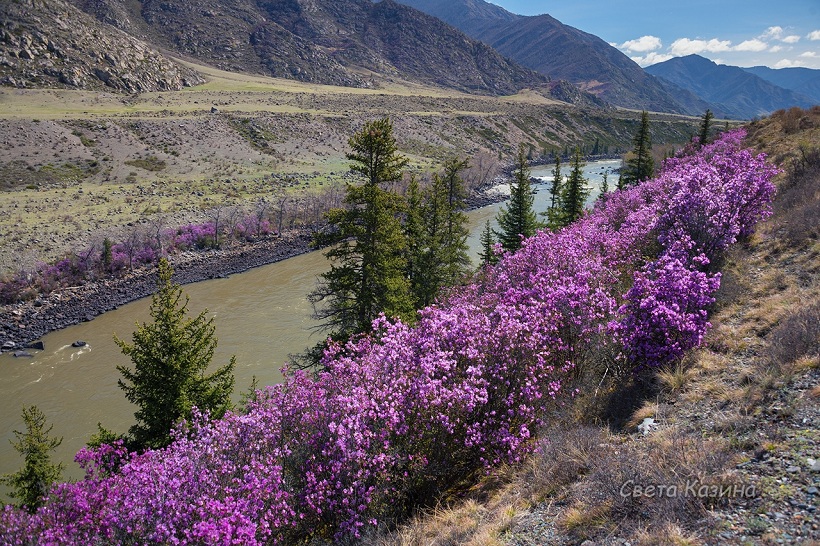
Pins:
x: 805, y: 81
x: 736, y: 92
x: 52, y: 43
x: 558, y: 51
x: 341, y: 42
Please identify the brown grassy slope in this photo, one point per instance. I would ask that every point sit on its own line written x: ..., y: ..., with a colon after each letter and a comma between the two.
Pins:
x: 743, y: 410
x: 82, y: 164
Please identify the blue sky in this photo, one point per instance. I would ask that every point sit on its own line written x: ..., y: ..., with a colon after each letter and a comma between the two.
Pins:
x: 772, y: 33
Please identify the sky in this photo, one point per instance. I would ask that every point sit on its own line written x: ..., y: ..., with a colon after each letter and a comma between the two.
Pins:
x: 773, y: 33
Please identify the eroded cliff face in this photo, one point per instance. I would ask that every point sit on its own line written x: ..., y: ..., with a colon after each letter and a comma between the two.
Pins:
x: 49, y: 43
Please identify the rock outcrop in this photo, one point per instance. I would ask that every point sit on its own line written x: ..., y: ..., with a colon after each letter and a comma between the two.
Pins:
x: 49, y: 43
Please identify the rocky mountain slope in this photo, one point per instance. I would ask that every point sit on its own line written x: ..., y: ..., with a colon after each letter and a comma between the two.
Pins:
x: 51, y: 43
x: 737, y: 92
x: 342, y: 42
x: 805, y: 81
x: 558, y: 51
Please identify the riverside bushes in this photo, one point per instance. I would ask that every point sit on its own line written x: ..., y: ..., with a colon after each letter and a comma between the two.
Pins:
x: 401, y: 414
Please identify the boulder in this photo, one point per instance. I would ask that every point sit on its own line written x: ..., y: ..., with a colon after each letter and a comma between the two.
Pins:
x: 79, y: 343
x: 20, y: 354
x: 38, y: 345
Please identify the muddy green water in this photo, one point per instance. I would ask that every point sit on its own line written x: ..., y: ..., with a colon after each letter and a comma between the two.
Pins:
x: 261, y: 316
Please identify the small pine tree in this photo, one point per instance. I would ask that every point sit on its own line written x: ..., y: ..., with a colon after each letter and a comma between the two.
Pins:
x: 705, y: 127
x: 604, y: 186
x: 107, y: 255
x: 487, y: 254
x: 641, y: 166
x: 171, y: 356
x: 575, y: 191
x: 553, y: 213
x: 518, y: 219
x: 32, y: 483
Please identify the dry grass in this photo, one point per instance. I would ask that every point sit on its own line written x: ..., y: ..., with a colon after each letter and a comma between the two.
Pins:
x: 718, y: 410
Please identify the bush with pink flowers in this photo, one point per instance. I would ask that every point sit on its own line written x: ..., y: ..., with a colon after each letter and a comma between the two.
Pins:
x: 398, y: 416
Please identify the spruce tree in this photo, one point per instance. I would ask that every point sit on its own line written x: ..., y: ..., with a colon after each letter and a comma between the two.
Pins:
x: 456, y: 258
x: 604, y: 186
x: 171, y: 356
x: 705, y: 127
x: 487, y: 254
x: 553, y: 212
x: 575, y: 192
x: 641, y: 166
x: 32, y: 483
x: 368, y: 248
x: 518, y: 220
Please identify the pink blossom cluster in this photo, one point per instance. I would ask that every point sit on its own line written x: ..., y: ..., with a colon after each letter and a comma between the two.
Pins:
x: 399, y: 415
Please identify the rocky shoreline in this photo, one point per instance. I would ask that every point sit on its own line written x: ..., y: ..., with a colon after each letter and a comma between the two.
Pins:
x: 23, y: 323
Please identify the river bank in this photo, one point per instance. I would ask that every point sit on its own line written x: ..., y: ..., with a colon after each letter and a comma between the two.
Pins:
x: 23, y: 323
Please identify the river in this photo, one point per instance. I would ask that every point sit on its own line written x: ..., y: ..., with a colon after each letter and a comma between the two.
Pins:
x: 261, y: 316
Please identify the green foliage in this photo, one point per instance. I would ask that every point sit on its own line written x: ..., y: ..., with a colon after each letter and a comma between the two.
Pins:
x: 575, y: 191
x: 572, y: 195
x: 150, y: 163
x: 705, y: 126
x: 518, y: 220
x: 487, y: 255
x: 368, y: 247
x: 641, y: 166
x: 31, y: 483
x: 171, y: 356
x: 437, y: 234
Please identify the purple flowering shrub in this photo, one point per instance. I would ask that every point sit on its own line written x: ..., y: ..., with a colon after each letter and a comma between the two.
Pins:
x: 193, y: 236
x: 401, y: 414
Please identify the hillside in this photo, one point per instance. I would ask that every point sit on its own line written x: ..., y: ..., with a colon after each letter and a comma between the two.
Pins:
x: 733, y: 90
x: 740, y: 411
x: 805, y: 81
x: 339, y: 42
x: 49, y: 43
x: 558, y: 51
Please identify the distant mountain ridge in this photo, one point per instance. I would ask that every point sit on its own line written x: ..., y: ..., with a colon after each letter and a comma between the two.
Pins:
x: 558, y: 51
x: 736, y: 92
x: 805, y: 81
x: 336, y: 42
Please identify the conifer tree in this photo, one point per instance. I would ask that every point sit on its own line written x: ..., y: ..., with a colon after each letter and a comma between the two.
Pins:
x: 553, y: 212
x: 368, y: 247
x: 32, y: 483
x: 604, y: 186
x: 487, y: 254
x: 575, y: 192
x: 456, y: 259
x: 518, y: 220
x: 705, y: 127
x: 171, y: 356
x: 641, y: 166
x: 437, y: 234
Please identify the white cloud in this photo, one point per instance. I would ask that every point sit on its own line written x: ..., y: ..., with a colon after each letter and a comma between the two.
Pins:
x: 652, y: 58
x: 810, y: 54
x: 643, y: 44
x: 772, y: 32
x: 751, y: 45
x: 793, y: 39
x: 685, y: 46
x: 787, y: 63
x: 814, y: 35
x: 776, y: 49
